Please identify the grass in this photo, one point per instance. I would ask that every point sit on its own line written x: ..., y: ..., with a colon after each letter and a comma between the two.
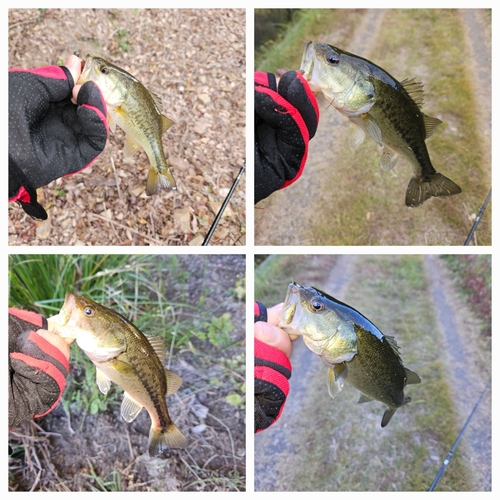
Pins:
x: 307, y: 24
x: 345, y: 447
x: 472, y: 275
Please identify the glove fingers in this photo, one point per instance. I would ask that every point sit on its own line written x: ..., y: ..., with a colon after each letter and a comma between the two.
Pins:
x: 296, y: 91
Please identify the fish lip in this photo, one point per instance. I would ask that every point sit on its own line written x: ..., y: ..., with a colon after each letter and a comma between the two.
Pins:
x: 307, y: 62
x: 287, y: 315
x: 87, y: 71
x: 57, y: 323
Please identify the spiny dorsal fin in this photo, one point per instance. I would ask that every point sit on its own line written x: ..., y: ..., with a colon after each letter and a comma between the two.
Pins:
x: 430, y: 125
x: 415, y: 90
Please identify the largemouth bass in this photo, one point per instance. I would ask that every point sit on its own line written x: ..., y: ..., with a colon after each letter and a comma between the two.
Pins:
x: 354, y: 349
x: 124, y: 355
x: 388, y: 110
x: 137, y: 111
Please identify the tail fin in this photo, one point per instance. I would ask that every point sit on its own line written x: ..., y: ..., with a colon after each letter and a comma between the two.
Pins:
x: 422, y: 188
x: 157, y: 181
x: 161, y: 439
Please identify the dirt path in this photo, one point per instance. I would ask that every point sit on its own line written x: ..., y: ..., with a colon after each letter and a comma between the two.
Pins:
x: 456, y: 325
x: 330, y: 433
x: 273, y: 446
x: 333, y: 212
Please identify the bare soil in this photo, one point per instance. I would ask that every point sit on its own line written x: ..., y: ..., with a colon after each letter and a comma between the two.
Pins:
x: 65, y: 451
x: 194, y: 60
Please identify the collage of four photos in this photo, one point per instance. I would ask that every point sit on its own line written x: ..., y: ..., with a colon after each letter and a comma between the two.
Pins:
x: 368, y: 363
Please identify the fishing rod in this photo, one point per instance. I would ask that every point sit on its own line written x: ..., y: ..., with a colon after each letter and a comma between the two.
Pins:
x: 224, y: 205
x: 448, y: 458
x: 478, y: 218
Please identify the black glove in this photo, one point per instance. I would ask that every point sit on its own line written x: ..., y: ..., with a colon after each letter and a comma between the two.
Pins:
x: 285, y: 121
x: 272, y: 369
x: 49, y: 136
x: 37, y: 369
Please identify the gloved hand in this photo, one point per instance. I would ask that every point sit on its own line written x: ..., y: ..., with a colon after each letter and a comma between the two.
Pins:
x: 37, y: 368
x: 49, y: 136
x: 286, y: 119
x: 272, y: 369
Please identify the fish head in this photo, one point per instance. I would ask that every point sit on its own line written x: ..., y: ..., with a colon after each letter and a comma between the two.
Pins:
x: 97, y: 330
x: 111, y: 80
x: 308, y: 312
x: 342, y: 77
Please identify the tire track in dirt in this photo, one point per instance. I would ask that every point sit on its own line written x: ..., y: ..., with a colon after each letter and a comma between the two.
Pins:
x: 469, y: 368
x: 274, y: 444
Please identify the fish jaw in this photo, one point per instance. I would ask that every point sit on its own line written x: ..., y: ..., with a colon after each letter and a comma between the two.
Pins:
x: 289, y: 318
x: 308, y: 313
x: 342, y: 81
x: 61, y: 323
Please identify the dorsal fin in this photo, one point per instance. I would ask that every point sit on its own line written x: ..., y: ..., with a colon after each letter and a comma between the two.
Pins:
x: 158, y: 345
x: 415, y: 90
x: 156, y: 100
x: 430, y: 124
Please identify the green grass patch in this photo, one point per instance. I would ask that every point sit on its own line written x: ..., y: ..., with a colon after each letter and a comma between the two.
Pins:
x: 307, y: 24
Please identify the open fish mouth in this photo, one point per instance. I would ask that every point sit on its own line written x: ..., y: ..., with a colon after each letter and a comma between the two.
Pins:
x: 59, y: 323
x: 291, y: 316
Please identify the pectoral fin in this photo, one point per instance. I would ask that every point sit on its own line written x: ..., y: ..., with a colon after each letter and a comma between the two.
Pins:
x: 130, y: 408
x: 356, y: 136
x: 103, y: 382
x: 131, y: 146
x: 335, y: 382
x: 388, y: 160
x: 372, y: 128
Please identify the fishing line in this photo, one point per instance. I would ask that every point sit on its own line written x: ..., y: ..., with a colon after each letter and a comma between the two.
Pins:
x: 448, y: 458
x: 478, y: 218
x: 224, y: 205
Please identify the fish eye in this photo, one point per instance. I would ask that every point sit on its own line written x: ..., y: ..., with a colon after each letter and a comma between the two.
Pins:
x: 104, y: 70
x: 317, y: 305
x: 332, y: 58
x: 88, y: 311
